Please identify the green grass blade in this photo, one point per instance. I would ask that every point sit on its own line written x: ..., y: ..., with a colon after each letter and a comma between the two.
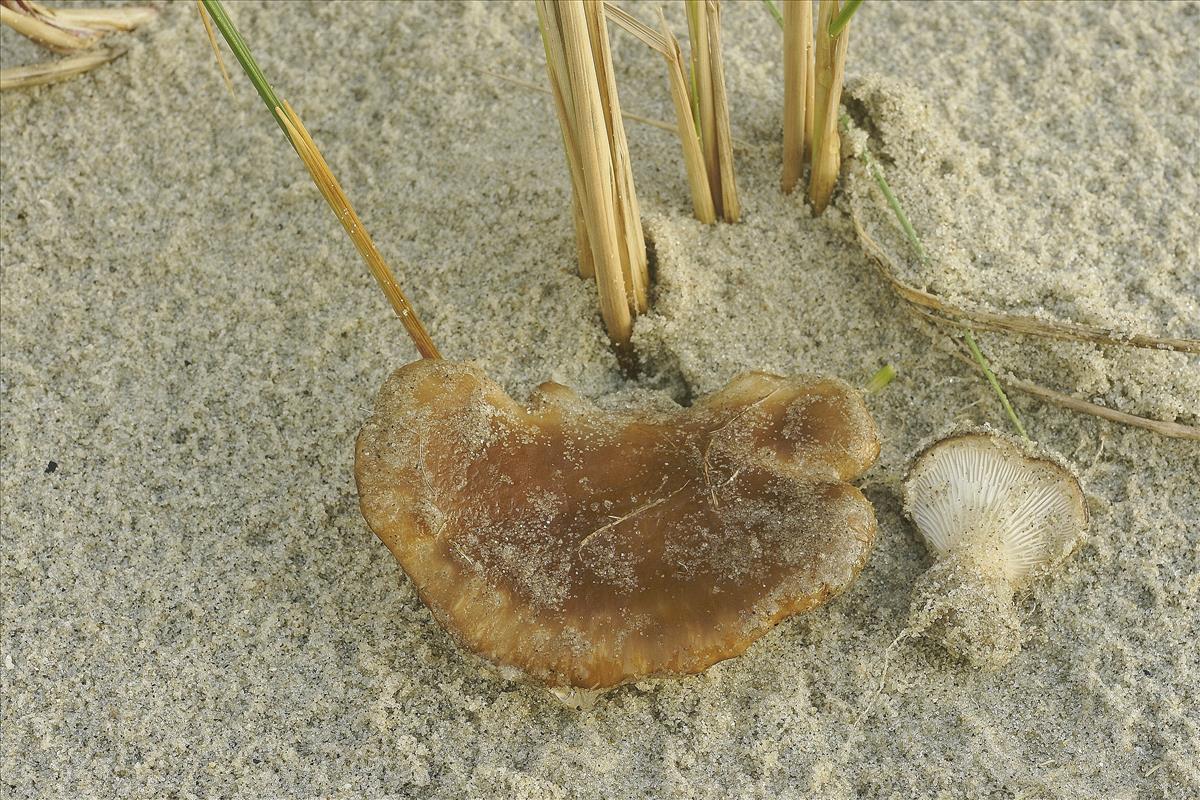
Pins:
x: 915, y: 241
x: 987, y: 371
x: 774, y: 9
x: 881, y: 379
x: 242, y: 53
x: 840, y: 22
x: 910, y: 232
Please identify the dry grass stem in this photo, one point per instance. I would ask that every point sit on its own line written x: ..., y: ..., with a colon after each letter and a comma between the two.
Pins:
x: 1174, y: 430
x: 212, y: 41
x: 830, y: 72
x: 731, y: 207
x: 702, y: 97
x: 556, y: 66
x: 70, y: 30
x: 633, y: 249
x: 810, y: 90
x: 665, y: 44
x: 55, y: 71
x: 797, y: 53
x: 581, y: 75
x: 653, y: 39
x: 710, y: 105
x: 703, y: 205
x: 932, y: 306
x: 598, y: 192
x: 337, y: 200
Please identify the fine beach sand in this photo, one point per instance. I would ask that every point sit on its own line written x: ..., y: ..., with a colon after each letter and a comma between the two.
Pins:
x: 192, y: 603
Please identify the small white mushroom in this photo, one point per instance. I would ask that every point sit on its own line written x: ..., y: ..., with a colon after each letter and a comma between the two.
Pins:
x: 995, y: 513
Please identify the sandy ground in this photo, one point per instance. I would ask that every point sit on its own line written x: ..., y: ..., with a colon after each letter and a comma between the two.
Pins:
x: 192, y: 604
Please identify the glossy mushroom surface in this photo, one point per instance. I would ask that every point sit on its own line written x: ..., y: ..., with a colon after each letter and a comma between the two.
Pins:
x: 587, y: 548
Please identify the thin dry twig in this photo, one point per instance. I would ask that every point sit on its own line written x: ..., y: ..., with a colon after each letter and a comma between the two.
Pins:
x: 931, y: 310
x: 1174, y: 430
x: 55, y: 71
x: 70, y: 30
x: 1008, y: 323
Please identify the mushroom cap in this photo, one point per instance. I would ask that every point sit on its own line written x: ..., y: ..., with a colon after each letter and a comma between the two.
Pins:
x: 1012, y: 510
x: 588, y: 548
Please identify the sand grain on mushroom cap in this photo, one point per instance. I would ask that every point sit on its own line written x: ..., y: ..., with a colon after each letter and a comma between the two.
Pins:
x: 588, y: 548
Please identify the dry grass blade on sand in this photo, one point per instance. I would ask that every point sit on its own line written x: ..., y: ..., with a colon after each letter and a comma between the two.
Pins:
x: 580, y: 69
x: 937, y: 314
x: 330, y: 189
x: 829, y: 75
x: 710, y: 105
x: 934, y: 307
x: 666, y: 45
x: 1174, y: 430
x: 797, y: 79
x: 923, y: 304
x: 73, y: 29
x: 55, y: 71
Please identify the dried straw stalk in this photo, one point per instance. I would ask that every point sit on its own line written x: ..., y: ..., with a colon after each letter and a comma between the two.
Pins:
x: 555, y: 65
x: 710, y: 105
x: 67, y: 30
x: 608, y: 230
x: 55, y: 71
x: 666, y: 45
x: 322, y: 176
x: 798, y: 82
x: 633, y: 254
x: 930, y: 305
x: 830, y: 73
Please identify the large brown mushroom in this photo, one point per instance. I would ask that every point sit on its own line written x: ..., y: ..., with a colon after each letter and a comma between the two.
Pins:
x: 588, y: 548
